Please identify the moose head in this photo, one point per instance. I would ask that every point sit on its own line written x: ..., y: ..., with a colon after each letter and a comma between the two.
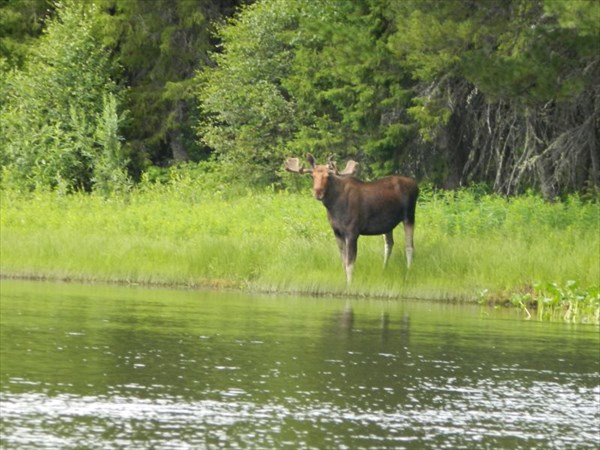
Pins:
x: 320, y: 172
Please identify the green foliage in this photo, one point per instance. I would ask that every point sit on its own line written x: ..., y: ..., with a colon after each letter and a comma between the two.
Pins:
x: 454, y: 93
x: 55, y: 111
x: 193, y: 181
x: 297, y: 77
x: 350, y: 92
x: 583, y: 16
x: 458, y: 91
x: 507, y: 89
x: 160, y: 45
x: 20, y: 24
x: 248, y: 116
x: 110, y: 175
x: 531, y: 51
x: 566, y: 302
x: 186, y: 226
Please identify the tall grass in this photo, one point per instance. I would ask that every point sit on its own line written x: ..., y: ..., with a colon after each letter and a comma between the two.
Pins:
x: 468, y: 246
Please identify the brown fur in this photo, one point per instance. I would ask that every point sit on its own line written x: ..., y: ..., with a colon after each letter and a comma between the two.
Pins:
x: 357, y: 208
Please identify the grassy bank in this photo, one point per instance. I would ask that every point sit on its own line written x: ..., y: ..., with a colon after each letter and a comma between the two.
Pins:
x: 468, y: 246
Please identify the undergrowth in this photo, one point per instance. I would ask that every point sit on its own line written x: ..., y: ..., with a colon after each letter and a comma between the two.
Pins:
x: 193, y: 231
x: 567, y: 302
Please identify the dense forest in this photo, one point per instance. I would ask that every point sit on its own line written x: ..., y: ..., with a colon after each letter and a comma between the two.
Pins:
x: 503, y: 93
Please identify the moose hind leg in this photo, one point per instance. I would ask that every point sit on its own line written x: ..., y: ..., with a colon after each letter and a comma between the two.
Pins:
x: 408, y: 242
x: 388, y: 239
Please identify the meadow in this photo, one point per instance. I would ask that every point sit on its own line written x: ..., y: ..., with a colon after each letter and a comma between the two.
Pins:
x: 469, y: 245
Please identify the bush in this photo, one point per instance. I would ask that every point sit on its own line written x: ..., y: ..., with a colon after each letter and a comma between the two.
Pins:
x: 59, y: 114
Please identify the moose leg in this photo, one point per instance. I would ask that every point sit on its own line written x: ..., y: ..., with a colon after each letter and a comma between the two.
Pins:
x: 351, y: 248
x: 341, y: 242
x: 387, y: 248
x: 408, y: 242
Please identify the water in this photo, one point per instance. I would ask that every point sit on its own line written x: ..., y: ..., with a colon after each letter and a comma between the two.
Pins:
x: 107, y: 367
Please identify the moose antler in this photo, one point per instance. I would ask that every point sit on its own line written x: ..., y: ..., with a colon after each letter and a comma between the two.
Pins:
x: 293, y: 165
x: 331, y: 164
x: 351, y: 168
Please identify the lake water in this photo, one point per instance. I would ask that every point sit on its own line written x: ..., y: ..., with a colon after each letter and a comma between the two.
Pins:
x: 114, y: 367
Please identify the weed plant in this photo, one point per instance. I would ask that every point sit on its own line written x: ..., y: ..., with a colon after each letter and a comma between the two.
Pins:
x: 566, y: 302
x: 192, y: 231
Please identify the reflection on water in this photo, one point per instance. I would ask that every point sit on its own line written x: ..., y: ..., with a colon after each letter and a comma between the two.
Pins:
x: 92, y: 367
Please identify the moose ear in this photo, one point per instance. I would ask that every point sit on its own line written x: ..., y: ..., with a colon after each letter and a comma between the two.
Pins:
x: 311, y: 159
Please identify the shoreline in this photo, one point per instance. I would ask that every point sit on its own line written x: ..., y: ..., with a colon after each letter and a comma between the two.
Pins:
x: 230, y: 286
x: 530, y: 310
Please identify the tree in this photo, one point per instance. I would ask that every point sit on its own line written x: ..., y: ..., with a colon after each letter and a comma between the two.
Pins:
x: 351, y: 94
x: 503, y: 92
x: 508, y: 90
x: 51, y: 111
x: 20, y: 24
x: 160, y: 45
x: 248, y: 116
x: 297, y: 76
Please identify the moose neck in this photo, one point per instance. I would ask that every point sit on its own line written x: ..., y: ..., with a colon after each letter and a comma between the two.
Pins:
x: 334, y: 192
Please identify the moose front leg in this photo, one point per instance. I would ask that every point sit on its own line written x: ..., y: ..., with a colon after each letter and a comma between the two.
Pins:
x: 351, y: 249
x: 388, y: 239
x: 347, y: 246
x: 341, y: 242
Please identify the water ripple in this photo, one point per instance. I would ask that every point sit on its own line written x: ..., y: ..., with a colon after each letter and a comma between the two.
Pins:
x: 459, y: 417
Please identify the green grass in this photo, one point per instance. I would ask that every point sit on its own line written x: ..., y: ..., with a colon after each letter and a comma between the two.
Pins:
x: 468, y: 246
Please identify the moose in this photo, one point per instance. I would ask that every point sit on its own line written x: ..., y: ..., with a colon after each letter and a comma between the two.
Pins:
x: 357, y: 208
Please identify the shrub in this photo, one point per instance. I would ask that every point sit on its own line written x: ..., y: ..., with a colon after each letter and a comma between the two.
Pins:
x: 59, y: 114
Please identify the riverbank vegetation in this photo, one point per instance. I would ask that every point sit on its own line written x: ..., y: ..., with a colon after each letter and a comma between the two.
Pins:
x: 142, y: 141
x: 191, y: 232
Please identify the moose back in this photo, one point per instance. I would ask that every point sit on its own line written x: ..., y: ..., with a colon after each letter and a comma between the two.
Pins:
x: 357, y: 208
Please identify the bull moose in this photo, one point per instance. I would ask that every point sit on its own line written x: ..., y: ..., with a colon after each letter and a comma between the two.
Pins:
x: 357, y: 208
